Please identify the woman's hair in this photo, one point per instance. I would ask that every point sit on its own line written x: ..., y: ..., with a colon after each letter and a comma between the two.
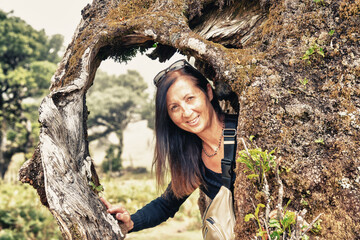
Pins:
x: 175, y: 148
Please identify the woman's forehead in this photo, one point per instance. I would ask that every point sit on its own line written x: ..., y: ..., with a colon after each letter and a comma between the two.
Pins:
x: 183, y: 83
x: 180, y: 88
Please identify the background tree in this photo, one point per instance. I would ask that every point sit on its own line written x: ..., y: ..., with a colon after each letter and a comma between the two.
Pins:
x: 148, y: 113
x: 27, y: 61
x: 113, y: 102
x: 293, y: 64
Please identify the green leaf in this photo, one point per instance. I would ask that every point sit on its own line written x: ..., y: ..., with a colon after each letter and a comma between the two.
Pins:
x: 304, y: 81
x: 331, y: 32
x: 287, y: 204
x: 288, y: 220
x: 305, y: 57
x: 274, y: 223
x: 310, y: 51
x: 249, y: 216
x: 316, y: 227
x: 251, y: 176
x: 275, y: 235
x: 320, y: 140
x: 305, y: 237
x: 258, y: 209
x: 99, y: 188
x: 321, y: 52
x: 92, y: 185
x: 251, y: 138
x: 261, y: 233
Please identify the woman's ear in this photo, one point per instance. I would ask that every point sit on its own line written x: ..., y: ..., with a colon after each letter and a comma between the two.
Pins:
x: 210, y: 93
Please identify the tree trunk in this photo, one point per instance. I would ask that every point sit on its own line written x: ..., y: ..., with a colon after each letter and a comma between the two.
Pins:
x: 3, y: 165
x: 293, y: 64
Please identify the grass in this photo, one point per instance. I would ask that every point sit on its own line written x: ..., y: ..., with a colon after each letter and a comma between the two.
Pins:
x: 134, y: 191
x: 23, y: 217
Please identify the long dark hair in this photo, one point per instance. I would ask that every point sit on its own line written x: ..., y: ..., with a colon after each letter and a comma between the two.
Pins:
x: 176, y: 149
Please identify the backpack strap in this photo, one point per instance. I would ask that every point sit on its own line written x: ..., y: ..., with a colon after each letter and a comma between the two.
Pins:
x: 230, y: 144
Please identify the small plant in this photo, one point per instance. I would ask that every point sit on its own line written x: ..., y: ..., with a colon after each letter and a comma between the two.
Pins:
x: 304, y: 81
x: 314, y: 49
x: 261, y: 231
x: 95, y: 188
x: 282, y: 226
x: 280, y: 223
x: 331, y: 32
x: 257, y: 161
x: 316, y: 227
x: 320, y: 140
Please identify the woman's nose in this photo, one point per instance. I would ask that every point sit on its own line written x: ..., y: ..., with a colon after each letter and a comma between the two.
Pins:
x: 187, y: 111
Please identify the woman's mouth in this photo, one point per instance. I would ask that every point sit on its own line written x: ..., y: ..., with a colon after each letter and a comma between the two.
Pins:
x: 193, y: 121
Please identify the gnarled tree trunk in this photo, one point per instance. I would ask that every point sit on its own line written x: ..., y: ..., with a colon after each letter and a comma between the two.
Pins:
x: 293, y: 64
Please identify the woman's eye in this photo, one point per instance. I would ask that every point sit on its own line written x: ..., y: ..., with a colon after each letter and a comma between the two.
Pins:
x: 190, y: 98
x: 173, y: 108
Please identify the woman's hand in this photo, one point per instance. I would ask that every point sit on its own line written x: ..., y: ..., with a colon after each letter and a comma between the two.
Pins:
x: 120, y: 213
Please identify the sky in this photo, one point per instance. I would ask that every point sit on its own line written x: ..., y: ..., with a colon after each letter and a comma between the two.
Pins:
x: 62, y: 17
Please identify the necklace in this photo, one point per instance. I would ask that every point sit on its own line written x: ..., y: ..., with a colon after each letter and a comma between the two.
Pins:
x: 218, y: 147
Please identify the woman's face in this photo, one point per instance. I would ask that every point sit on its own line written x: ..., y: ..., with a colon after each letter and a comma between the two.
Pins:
x: 189, y: 107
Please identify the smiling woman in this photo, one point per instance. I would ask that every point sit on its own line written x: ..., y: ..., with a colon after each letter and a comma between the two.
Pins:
x: 189, y: 126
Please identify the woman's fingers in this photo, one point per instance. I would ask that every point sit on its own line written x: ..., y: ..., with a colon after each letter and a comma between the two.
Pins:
x: 119, y: 212
x: 112, y: 209
x: 106, y: 203
x: 116, y: 209
x: 126, y: 219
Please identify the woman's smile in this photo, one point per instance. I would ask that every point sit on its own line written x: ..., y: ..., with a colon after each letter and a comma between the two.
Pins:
x: 194, y: 121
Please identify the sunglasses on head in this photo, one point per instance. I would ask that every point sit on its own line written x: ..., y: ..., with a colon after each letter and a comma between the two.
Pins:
x: 173, y: 67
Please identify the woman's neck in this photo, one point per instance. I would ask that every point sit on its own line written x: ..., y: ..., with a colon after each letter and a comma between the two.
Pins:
x: 211, y: 136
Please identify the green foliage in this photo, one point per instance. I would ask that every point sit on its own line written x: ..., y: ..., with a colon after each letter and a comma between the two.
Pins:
x: 112, y: 162
x: 314, y: 49
x: 320, y: 140
x: 113, y: 102
x: 20, y: 44
x: 95, y: 188
x: 331, y: 32
x: 121, y: 54
x: 304, y: 81
x: 148, y: 113
x: 27, y: 61
x: 256, y: 217
x: 282, y: 226
x: 257, y: 162
x: 134, y: 194
x: 41, y: 72
x: 316, y: 228
x: 22, y: 216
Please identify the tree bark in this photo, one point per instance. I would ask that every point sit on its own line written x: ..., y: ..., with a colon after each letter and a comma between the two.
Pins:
x: 294, y: 66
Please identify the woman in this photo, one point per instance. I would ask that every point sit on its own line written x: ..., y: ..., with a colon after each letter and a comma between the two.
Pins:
x: 189, y: 126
